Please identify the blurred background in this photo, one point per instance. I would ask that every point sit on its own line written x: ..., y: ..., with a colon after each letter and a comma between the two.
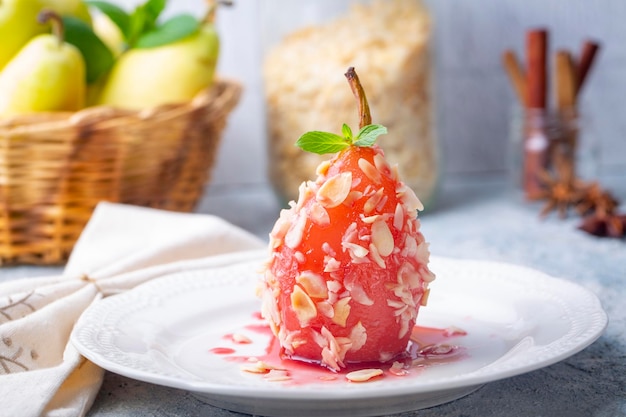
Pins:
x: 474, y: 97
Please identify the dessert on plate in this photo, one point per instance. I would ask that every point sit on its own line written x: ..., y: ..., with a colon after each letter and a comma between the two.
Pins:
x: 348, y: 269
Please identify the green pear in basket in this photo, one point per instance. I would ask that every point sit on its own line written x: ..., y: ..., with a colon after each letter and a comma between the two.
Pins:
x: 170, y: 63
x: 47, y: 74
x: 18, y: 22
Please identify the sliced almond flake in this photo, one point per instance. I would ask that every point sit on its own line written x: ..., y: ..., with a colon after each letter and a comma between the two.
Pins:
x: 241, y: 339
x: 359, y: 295
x: 353, y: 197
x: 322, y: 168
x: 281, y: 227
x: 334, y: 346
x: 410, y: 224
x: 424, y: 300
x: 335, y: 190
x: 398, y: 369
x: 381, y: 203
x: 400, y: 310
x: 410, y: 247
x: 359, y: 260
x: 302, y: 195
x: 329, y: 359
x: 426, y: 274
x: 422, y: 252
x: 332, y: 297
x: 326, y: 309
x: 331, y: 264
x: 363, y: 375
x: 369, y: 170
x: 370, y: 219
x: 319, y: 339
x: 295, y: 233
x: 299, y: 256
x: 381, y: 165
x: 355, y: 251
x: 259, y: 367
x: 303, y: 306
x: 365, y: 238
x: 318, y: 214
x: 398, y: 217
x: 328, y: 250
x: 344, y: 345
x: 358, y: 336
x: 454, y: 331
x: 376, y: 256
x: 395, y: 303
x: 350, y: 234
x: 277, y: 375
x: 333, y: 286
x: 394, y: 172
x: 404, y: 328
x: 382, y: 237
x: 373, y: 201
x: 411, y: 201
x: 313, y: 284
x: 274, y: 242
x: 342, y: 311
x: 294, y: 340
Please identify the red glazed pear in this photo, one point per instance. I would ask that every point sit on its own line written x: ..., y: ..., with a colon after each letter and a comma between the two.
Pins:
x: 349, y: 266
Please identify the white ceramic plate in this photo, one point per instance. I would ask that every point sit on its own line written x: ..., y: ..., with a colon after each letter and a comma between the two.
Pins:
x: 517, y: 320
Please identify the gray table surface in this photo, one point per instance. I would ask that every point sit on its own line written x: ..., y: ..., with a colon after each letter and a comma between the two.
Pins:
x: 480, y: 218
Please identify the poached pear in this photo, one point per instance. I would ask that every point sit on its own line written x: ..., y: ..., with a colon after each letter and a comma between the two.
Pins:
x: 172, y: 73
x: 18, y: 22
x: 47, y: 74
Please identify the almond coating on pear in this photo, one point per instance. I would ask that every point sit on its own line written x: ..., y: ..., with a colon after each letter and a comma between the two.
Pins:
x: 349, y: 266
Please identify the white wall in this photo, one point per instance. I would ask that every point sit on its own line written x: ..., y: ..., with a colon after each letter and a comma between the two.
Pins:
x: 474, y: 95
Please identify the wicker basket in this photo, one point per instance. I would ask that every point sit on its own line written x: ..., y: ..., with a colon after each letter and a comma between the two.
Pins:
x: 55, y: 168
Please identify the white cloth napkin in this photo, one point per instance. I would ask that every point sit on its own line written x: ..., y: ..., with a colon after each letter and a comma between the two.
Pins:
x: 122, y: 246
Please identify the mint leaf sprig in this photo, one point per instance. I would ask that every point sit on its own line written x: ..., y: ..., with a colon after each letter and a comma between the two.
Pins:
x: 142, y: 27
x: 326, y: 142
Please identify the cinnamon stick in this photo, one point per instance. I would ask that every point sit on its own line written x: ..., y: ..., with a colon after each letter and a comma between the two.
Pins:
x: 566, y: 80
x: 536, y: 141
x: 587, y: 57
x: 537, y: 67
x: 564, y: 149
x: 516, y: 74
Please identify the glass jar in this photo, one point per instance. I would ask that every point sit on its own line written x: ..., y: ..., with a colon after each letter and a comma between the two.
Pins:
x: 560, y: 142
x: 308, y: 47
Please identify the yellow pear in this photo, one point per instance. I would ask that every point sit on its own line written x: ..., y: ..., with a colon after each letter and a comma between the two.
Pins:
x: 172, y: 73
x: 110, y: 34
x: 46, y: 75
x: 18, y: 22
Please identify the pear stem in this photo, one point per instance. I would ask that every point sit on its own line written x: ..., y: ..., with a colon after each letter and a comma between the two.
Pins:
x: 365, y: 117
x: 57, y: 23
x: 209, y: 17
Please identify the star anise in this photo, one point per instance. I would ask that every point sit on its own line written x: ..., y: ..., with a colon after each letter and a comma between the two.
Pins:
x: 604, y: 221
x: 605, y: 224
x: 594, y: 199
x: 560, y: 193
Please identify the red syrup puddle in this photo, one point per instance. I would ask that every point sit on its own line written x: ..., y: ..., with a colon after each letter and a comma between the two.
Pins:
x: 222, y: 351
x: 428, y: 347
